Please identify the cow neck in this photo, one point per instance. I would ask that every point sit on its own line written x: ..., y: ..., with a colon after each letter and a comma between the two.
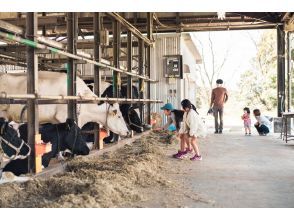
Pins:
x: 130, y: 122
x: 75, y: 140
x: 106, y: 116
x: 15, y: 148
x: 58, y: 139
x: 92, y: 112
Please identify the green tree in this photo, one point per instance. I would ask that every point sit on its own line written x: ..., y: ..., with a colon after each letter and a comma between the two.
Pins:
x: 258, y: 85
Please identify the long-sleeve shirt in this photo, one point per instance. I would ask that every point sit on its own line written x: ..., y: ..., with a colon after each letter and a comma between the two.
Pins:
x: 171, y: 119
x: 219, y: 96
x: 262, y: 120
x: 192, y: 124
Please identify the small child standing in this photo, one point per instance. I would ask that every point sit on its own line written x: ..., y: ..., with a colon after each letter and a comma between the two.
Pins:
x: 191, y: 128
x: 247, y: 121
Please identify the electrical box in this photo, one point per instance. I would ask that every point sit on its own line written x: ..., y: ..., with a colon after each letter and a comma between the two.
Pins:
x: 173, y: 66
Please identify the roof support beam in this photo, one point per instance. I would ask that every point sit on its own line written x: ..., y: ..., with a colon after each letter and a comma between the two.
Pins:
x: 281, y: 69
x: 130, y: 27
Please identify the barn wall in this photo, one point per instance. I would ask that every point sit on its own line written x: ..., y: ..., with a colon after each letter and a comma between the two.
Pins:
x: 167, y: 44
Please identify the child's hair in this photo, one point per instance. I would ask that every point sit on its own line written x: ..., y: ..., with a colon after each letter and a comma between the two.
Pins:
x: 256, y: 112
x: 247, y: 110
x: 186, y: 104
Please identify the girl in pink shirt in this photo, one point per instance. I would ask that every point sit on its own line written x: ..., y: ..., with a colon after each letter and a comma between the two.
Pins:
x: 247, y: 121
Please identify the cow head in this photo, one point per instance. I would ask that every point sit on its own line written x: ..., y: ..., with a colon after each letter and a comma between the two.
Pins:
x: 73, y: 139
x: 12, y: 147
x: 132, y: 118
x: 115, y: 121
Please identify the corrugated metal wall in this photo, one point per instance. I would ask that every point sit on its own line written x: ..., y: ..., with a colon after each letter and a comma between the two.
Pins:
x: 167, y: 44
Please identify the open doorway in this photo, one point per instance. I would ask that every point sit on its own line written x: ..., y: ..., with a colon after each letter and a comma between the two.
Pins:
x: 247, y: 62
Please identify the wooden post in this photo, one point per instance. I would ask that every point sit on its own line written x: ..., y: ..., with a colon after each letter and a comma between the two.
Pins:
x: 72, y: 36
x: 148, y: 60
x: 116, y: 55
x: 98, y: 144
x: 141, y: 81
x: 32, y: 85
x: 129, y: 65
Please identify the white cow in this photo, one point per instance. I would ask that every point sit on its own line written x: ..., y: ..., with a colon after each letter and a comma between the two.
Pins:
x: 54, y: 83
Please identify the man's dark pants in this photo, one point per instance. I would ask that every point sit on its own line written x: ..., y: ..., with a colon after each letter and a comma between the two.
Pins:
x: 218, y: 112
x: 262, y: 129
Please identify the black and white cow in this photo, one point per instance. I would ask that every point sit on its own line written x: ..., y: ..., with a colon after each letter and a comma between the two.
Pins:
x: 12, y: 147
x: 63, y: 136
x: 128, y: 112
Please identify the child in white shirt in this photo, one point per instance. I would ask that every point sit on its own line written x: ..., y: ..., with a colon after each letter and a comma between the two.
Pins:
x: 191, y: 128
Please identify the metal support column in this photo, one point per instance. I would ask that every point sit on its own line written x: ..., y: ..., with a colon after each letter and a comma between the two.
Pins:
x: 97, y: 76
x: 116, y: 52
x: 288, y: 73
x: 129, y: 65
x: 32, y: 85
x: 281, y: 69
x: 141, y: 72
x: 148, y: 60
x: 72, y: 36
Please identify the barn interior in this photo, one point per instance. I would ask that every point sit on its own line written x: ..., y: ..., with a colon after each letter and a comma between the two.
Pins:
x: 120, y: 48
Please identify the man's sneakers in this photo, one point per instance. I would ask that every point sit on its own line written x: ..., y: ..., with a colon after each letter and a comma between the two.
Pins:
x: 218, y: 132
x: 196, y: 157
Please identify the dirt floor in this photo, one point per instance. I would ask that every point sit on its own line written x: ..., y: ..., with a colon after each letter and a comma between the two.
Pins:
x: 236, y: 171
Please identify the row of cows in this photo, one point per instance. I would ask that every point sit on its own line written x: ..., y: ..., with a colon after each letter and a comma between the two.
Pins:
x: 64, y: 134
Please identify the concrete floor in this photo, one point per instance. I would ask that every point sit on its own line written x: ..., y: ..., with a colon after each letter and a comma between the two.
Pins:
x: 240, y: 171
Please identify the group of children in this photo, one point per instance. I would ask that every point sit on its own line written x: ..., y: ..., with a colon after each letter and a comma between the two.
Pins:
x: 262, y: 124
x: 192, y: 127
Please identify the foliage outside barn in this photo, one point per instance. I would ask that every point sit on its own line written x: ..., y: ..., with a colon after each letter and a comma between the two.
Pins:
x: 250, y: 83
x: 258, y: 85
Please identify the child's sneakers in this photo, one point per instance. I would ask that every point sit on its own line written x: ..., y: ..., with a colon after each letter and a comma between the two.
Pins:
x: 184, y: 154
x: 196, y: 157
x: 189, y: 151
x: 175, y: 155
x: 180, y: 154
